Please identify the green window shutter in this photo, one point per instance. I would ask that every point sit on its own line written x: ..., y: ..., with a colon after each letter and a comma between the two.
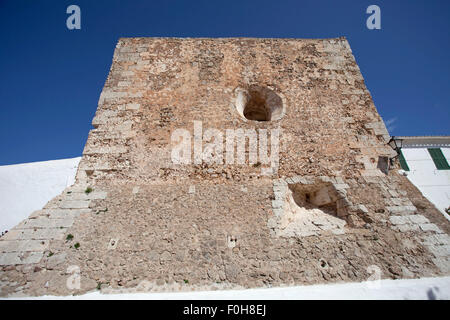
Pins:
x: 402, y: 160
x: 438, y: 158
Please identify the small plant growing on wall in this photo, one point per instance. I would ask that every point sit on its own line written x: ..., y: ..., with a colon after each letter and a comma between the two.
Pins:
x: 88, y: 190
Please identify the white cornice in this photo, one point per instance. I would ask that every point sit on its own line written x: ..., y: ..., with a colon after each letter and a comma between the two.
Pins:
x: 425, y: 141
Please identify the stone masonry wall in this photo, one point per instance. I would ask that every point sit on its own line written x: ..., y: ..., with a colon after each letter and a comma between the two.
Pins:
x: 135, y: 220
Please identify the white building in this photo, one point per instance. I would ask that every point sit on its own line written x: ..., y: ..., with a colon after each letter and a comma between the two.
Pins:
x: 426, y: 161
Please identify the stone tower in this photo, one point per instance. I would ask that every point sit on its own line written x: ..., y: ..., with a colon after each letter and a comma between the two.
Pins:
x: 223, y: 163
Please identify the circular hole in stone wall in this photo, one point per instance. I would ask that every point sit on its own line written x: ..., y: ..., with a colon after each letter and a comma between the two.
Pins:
x: 259, y: 103
x: 323, y: 263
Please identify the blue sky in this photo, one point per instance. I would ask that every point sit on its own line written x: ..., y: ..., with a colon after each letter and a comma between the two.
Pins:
x: 51, y: 77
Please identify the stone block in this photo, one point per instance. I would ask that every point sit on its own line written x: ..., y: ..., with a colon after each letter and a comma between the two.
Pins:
x: 393, y: 193
x: 398, y: 220
x: 123, y: 83
x: 442, y: 238
x: 430, y: 227
x: 443, y: 263
x: 306, y: 233
x: 411, y: 209
x: 92, y: 150
x: 343, y: 203
x: 279, y: 188
x: 406, y: 227
x: 296, y: 179
x: 23, y: 245
x: 17, y: 258
x: 133, y: 106
x: 362, y: 208
x: 430, y: 240
x: 440, y: 251
x: 306, y: 180
x: 74, y: 204
x: 278, y: 212
x: 325, y: 179
x: 86, y: 196
x: 404, y: 210
x: 338, y: 231
x: 55, y: 260
x: 36, y: 234
x: 64, y: 213
x: 339, y: 180
x: 341, y: 186
x: 277, y: 204
x: 290, y: 181
x: 417, y: 218
x: 45, y: 222
x: 278, y: 195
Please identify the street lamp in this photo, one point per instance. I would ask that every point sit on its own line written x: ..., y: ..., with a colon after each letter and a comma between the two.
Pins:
x: 396, y: 144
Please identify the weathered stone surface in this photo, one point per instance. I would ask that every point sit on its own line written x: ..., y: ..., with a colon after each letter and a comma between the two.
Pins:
x: 321, y: 212
x: 62, y: 213
x: 15, y: 258
x: 86, y: 196
x: 44, y: 222
x: 396, y: 220
x: 74, y: 204
x: 418, y: 219
x: 23, y: 245
x: 443, y: 264
x: 440, y: 251
x: 430, y: 227
x: 55, y: 260
x: 35, y: 234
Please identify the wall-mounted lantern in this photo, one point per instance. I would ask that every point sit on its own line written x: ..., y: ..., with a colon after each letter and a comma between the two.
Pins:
x: 396, y: 144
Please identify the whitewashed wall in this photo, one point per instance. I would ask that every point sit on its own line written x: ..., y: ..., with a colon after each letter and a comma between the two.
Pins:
x: 27, y: 187
x: 433, y: 183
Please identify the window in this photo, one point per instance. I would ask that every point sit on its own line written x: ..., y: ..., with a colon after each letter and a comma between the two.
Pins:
x: 259, y: 104
x: 402, y: 160
x: 383, y: 164
x: 438, y: 158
